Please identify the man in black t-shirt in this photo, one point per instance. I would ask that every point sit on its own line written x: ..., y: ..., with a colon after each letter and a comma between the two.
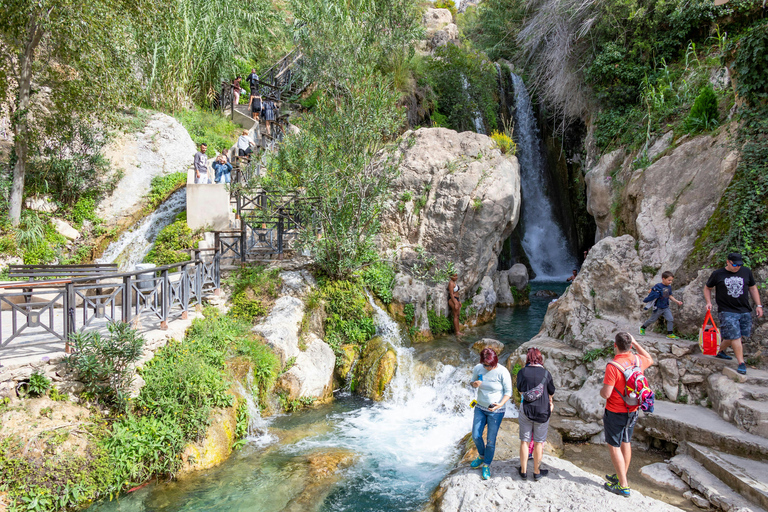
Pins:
x: 733, y: 310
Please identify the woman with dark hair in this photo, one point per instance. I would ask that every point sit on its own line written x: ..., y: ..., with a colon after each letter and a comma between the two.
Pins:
x: 236, y: 89
x: 494, y: 389
x: 536, y: 388
x: 453, y: 303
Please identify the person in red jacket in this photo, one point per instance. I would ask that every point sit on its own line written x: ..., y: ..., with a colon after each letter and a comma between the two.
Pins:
x: 619, y: 418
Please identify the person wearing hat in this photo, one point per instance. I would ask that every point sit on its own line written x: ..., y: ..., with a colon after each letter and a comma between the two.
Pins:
x: 733, y: 310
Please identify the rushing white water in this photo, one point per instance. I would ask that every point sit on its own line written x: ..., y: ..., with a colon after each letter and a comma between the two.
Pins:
x: 133, y: 245
x: 543, y: 240
x: 477, y: 117
x: 258, y: 433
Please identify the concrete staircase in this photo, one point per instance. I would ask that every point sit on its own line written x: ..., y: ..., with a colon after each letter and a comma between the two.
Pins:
x: 721, y: 450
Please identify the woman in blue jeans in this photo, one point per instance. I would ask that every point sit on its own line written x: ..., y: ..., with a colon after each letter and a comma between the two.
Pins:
x: 494, y: 389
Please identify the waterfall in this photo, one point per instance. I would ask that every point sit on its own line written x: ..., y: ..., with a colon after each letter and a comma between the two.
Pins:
x: 543, y: 239
x: 133, y: 245
x: 477, y: 117
x: 257, y: 425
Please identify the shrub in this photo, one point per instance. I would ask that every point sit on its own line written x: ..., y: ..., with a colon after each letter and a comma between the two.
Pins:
x: 505, y: 143
x: 349, y: 317
x: 172, y: 243
x: 379, y: 277
x: 162, y: 187
x: 105, y: 363
x: 438, y: 324
x: 215, y: 130
x: 84, y: 209
x: 245, y: 308
x: 39, y: 384
x: 703, y: 115
x: 446, y: 4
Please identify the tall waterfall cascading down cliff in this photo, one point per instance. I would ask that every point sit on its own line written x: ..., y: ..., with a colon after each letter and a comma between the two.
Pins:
x: 543, y: 239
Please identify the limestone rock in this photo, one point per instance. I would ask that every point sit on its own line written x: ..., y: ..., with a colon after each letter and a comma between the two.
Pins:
x: 610, y: 285
x: 669, y: 378
x: 444, y: 172
x: 600, y: 192
x: 660, y: 474
x: 567, y: 487
x: 408, y: 290
x: 215, y: 447
x: 508, y: 443
x: 41, y: 204
x: 660, y: 145
x: 503, y: 291
x: 162, y: 148
x: 484, y: 343
x: 574, y: 429
x: 587, y: 400
x: 518, y: 276
x: 281, y: 327
x: 436, y: 19
x: 375, y: 368
x: 483, y: 303
x: 297, y: 283
x: 672, y: 199
x: 65, y: 229
x: 312, y: 374
x: 135, y: 388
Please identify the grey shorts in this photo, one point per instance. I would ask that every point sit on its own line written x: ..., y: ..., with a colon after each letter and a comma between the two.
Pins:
x: 619, y: 427
x: 734, y: 325
x: 528, y: 427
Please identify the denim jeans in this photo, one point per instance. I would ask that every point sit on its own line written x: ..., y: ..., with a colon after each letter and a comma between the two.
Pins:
x: 481, y: 419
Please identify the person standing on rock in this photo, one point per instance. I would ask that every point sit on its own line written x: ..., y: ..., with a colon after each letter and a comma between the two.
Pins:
x: 454, y: 304
x: 660, y: 295
x: 536, y: 388
x: 733, y: 310
x: 494, y: 389
x: 619, y: 418
x: 201, y: 165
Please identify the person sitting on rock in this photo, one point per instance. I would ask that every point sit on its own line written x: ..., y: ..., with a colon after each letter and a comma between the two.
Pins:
x: 731, y: 285
x: 536, y: 388
x: 571, y: 278
x: 494, y: 389
x: 453, y: 302
x: 619, y: 418
x: 660, y: 295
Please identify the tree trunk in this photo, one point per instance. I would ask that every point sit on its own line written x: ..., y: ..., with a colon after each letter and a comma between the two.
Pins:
x: 21, y: 120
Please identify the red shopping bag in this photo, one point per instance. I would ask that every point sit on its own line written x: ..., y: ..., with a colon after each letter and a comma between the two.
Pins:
x: 709, y: 336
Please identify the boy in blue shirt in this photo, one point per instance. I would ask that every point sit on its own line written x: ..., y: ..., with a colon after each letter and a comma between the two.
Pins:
x: 662, y: 294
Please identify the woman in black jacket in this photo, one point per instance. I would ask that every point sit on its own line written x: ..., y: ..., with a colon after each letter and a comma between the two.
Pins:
x: 536, y: 388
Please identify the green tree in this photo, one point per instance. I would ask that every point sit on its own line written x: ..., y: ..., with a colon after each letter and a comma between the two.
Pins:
x: 78, y: 50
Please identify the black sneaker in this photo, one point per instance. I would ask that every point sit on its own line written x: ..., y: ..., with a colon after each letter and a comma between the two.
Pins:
x: 542, y: 473
x: 613, y: 479
x: 723, y: 355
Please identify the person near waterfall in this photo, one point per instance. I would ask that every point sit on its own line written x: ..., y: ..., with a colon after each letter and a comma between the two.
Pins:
x: 201, y: 165
x: 494, y: 389
x: 659, y: 297
x: 619, y: 418
x: 733, y: 285
x: 536, y: 388
x: 454, y: 304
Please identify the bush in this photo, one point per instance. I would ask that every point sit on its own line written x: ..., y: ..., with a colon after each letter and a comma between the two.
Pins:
x: 245, y: 308
x: 39, y: 384
x: 105, y: 364
x: 253, y: 291
x: 703, y: 115
x: 439, y: 324
x: 505, y: 142
x: 162, y: 187
x: 215, y: 130
x: 172, y: 243
x: 349, y: 317
x: 379, y: 277
x: 446, y: 4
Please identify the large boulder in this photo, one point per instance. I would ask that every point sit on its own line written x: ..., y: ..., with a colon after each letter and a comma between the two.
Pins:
x: 455, y: 201
x: 375, y: 368
x: 312, y: 374
x: 610, y: 286
x: 162, y: 147
x: 672, y: 200
x: 599, y: 182
x: 281, y: 327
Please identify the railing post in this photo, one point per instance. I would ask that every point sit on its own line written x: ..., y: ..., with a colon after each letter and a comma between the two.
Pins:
x: 198, y: 279
x: 232, y: 102
x: 70, y: 303
x: 280, y: 234
x: 185, y: 291
x: 217, y: 271
x: 127, y: 298
x: 166, y: 299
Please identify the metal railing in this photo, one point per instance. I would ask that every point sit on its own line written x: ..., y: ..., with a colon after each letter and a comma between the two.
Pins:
x: 51, y: 311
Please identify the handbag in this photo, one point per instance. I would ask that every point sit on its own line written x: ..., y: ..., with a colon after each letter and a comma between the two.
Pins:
x: 535, y: 393
x: 709, y: 336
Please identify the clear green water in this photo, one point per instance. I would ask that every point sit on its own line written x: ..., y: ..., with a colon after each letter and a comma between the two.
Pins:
x: 400, y: 448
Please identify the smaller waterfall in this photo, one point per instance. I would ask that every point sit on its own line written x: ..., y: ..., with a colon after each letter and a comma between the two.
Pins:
x: 133, y: 245
x: 477, y: 117
x: 543, y: 239
x: 257, y: 426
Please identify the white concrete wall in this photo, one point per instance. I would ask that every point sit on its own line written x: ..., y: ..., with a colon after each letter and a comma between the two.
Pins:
x: 207, y: 205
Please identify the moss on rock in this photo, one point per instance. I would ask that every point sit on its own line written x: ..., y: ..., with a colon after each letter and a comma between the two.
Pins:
x: 375, y: 368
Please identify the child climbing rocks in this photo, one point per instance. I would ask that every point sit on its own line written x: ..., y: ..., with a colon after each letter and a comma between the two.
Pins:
x: 660, y: 295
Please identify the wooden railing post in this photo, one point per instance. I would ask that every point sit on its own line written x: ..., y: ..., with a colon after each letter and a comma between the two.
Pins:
x: 70, y: 303
x: 165, y: 298
x: 198, y: 278
x: 127, y: 298
x: 185, y: 291
x: 217, y: 271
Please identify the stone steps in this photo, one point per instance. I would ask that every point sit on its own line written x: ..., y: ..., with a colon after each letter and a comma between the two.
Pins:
x: 717, y: 492
x: 680, y: 423
x: 745, y: 476
x: 741, y: 399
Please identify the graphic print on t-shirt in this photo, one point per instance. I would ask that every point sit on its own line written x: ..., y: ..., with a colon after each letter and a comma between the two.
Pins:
x: 735, y: 286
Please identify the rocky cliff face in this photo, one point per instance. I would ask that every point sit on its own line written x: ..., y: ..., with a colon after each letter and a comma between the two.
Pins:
x: 456, y: 200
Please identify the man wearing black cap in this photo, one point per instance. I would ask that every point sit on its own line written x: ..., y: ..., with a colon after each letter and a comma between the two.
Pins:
x: 733, y: 310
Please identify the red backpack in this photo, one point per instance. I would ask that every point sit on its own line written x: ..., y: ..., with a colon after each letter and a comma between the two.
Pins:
x: 637, y: 391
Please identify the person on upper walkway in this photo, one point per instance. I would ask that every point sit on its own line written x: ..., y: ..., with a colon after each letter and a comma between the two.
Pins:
x: 223, y: 169
x: 201, y: 165
x: 620, y: 417
x: 236, y: 89
x: 255, y: 104
x: 245, y: 144
x: 494, y: 389
x: 733, y: 285
x: 253, y: 80
x: 659, y: 297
